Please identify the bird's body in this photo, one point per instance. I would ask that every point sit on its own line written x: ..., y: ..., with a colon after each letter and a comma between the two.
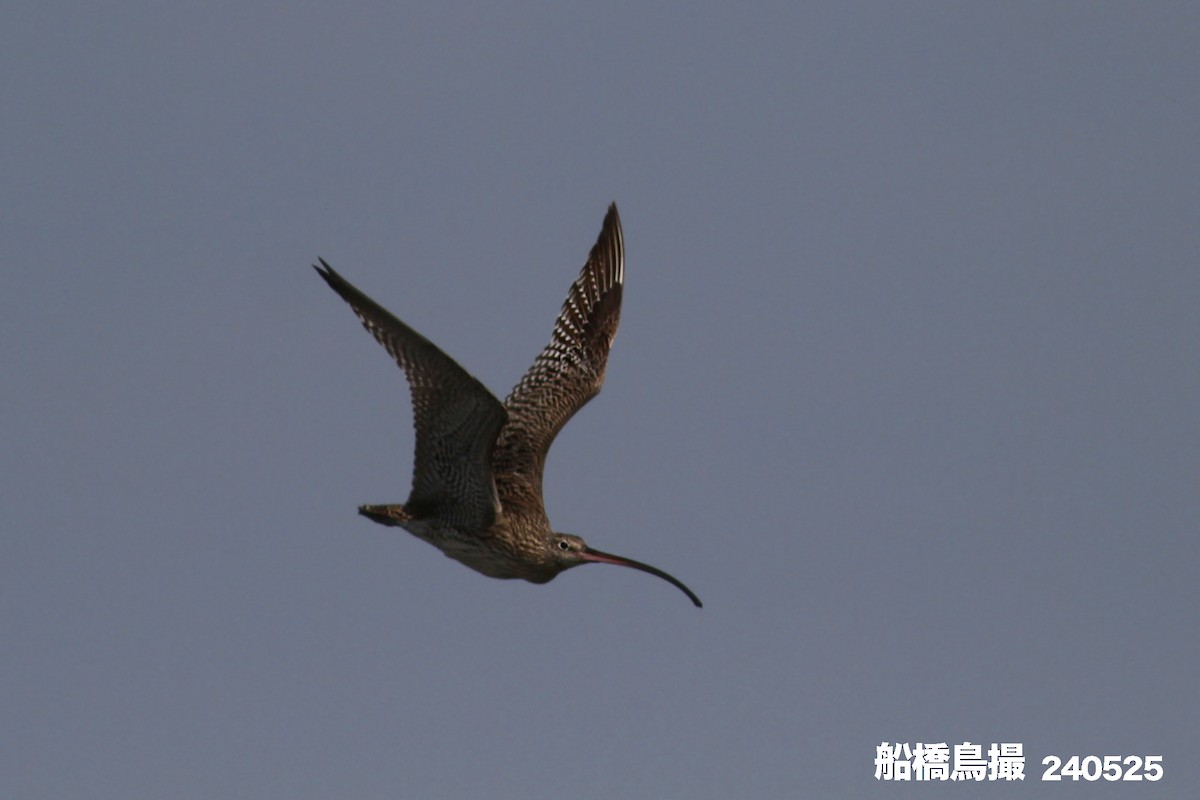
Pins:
x: 477, y: 475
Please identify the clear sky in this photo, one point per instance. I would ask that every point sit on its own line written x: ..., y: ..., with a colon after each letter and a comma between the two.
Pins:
x: 906, y: 388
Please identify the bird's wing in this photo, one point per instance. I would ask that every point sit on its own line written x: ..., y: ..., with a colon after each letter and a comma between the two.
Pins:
x: 455, y: 416
x: 570, y: 369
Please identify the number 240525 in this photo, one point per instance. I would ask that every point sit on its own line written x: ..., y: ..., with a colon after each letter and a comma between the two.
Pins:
x: 1111, y: 768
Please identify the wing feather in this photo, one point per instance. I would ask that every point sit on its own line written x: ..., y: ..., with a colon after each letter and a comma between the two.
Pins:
x: 570, y: 369
x: 456, y: 418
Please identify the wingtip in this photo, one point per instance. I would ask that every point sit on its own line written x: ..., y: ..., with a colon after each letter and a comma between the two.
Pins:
x: 611, y: 215
x: 610, y: 245
x: 332, y: 279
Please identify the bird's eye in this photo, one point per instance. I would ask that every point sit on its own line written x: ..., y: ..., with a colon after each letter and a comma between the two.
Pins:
x: 563, y: 545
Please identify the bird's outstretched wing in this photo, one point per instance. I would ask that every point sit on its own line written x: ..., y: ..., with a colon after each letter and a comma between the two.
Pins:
x: 570, y: 369
x: 455, y: 416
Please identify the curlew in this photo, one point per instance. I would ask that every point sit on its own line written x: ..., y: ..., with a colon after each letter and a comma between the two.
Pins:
x: 477, y: 475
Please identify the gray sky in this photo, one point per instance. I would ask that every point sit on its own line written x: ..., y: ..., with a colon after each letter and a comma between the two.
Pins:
x: 906, y: 389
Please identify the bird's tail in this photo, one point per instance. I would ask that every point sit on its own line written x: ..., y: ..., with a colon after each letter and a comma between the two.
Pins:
x: 386, y: 515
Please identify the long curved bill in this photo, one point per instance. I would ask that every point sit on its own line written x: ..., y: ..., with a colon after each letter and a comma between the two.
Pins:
x: 599, y: 557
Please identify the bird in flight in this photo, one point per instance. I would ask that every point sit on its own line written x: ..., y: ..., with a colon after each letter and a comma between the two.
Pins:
x: 477, y: 475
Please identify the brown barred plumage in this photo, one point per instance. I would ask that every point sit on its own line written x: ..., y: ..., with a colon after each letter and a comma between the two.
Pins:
x: 477, y: 473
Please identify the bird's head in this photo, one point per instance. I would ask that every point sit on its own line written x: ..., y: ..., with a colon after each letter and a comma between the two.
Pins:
x: 566, y: 551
